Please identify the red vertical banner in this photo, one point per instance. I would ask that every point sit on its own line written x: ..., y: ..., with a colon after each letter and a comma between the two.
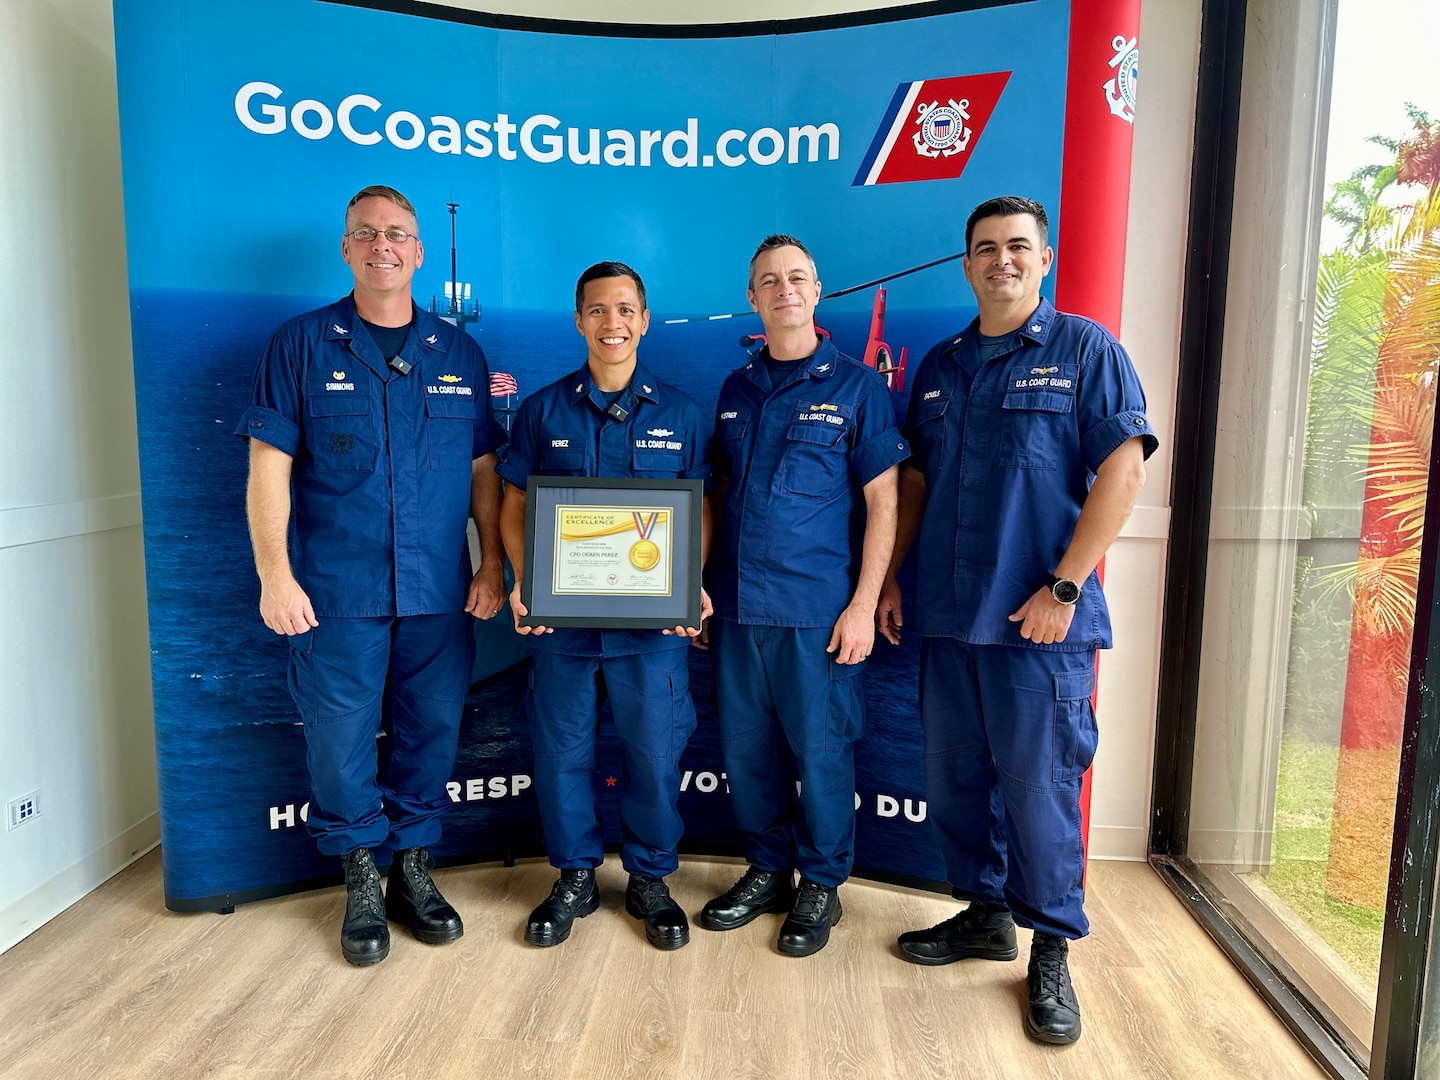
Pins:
x: 1095, y: 174
x: 1095, y: 180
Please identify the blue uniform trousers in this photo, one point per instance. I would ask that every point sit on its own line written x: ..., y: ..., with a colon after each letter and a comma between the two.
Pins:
x: 649, y: 695
x: 789, y: 712
x: 353, y: 678
x: 1009, y: 732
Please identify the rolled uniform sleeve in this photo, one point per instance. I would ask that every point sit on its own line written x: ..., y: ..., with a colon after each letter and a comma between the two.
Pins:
x: 1111, y: 406
x: 276, y: 404
x: 878, y: 443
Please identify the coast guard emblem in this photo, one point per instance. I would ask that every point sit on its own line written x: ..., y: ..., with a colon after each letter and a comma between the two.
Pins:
x: 1120, y: 91
x: 943, y: 137
x: 942, y: 128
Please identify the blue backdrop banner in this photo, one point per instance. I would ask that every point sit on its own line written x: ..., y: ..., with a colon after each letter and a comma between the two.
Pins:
x: 529, y: 153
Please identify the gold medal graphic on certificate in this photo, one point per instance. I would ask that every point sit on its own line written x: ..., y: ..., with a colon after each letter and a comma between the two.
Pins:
x: 596, y: 555
x: 644, y: 553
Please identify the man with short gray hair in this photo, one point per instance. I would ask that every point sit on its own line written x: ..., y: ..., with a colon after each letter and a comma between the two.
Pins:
x: 370, y: 420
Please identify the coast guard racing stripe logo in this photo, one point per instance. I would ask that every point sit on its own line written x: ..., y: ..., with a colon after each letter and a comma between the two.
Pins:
x: 931, y: 128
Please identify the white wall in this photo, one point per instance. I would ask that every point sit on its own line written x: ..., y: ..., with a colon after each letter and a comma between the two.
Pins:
x: 1150, y: 330
x: 75, y: 714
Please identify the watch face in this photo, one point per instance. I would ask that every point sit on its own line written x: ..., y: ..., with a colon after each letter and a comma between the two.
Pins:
x: 1065, y: 591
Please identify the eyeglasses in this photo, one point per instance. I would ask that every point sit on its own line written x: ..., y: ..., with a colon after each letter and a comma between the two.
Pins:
x: 365, y: 235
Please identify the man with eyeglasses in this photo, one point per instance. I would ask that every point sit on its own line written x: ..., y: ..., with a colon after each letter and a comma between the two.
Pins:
x: 371, y: 421
x: 1030, y: 440
x: 806, y: 454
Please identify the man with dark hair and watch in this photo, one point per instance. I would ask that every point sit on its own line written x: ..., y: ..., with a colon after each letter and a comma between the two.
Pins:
x: 370, y: 420
x: 1030, y: 437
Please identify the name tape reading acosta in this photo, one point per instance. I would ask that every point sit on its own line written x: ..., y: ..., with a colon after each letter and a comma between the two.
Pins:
x: 366, y: 121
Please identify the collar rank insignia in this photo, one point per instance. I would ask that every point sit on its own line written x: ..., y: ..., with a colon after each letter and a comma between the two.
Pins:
x: 823, y: 367
x: 338, y: 328
x: 431, y: 340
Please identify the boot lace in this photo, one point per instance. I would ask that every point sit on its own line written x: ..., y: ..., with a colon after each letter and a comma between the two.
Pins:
x: 811, y: 901
x: 362, y: 885
x: 1051, y: 972
x: 415, y: 866
x: 648, y: 892
x: 569, y: 885
x: 751, y: 882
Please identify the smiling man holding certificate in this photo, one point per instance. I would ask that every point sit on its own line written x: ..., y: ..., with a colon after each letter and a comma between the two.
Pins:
x: 611, y: 418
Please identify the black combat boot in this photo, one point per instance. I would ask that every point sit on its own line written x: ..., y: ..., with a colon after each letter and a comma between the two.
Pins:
x: 573, y: 896
x: 364, y: 936
x: 412, y: 899
x: 1054, y: 1013
x: 758, y: 892
x: 649, y: 898
x: 807, y: 928
x: 984, y: 931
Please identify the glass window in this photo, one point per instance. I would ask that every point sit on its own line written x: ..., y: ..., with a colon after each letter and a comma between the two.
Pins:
x: 1331, y: 356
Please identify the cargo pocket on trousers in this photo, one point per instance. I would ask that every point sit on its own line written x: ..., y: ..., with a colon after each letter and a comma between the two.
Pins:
x: 846, y: 720
x: 302, y: 675
x: 1075, y: 735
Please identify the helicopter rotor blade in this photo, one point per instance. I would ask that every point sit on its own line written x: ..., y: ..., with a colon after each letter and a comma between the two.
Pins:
x: 829, y: 295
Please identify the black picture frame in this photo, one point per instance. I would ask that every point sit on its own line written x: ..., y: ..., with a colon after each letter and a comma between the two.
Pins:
x: 609, y: 607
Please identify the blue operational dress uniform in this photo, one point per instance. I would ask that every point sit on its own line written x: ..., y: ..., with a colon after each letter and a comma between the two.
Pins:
x: 565, y: 430
x: 381, y: 479
x: 1009, y: 440
x: 784, y: 565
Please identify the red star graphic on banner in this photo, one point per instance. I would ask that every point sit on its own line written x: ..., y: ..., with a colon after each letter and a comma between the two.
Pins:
x: 611, y: 781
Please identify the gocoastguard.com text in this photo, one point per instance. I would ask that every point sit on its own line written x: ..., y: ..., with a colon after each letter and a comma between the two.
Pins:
x: 364, y: 120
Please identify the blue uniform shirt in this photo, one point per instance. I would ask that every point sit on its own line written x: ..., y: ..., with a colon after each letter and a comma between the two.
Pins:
x: 381, y: 470
x: 1009, y: 448
x: 564, y: 430
x: 788, y: 547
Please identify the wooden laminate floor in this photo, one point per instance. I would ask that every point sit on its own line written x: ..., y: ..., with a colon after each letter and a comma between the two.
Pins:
x: 117, y: 986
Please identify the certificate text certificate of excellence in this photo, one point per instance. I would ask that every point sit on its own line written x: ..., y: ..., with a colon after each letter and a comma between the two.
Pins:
x: 610, y: 551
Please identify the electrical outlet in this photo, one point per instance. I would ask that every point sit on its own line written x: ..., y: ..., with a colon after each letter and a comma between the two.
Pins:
x: 21, y: 810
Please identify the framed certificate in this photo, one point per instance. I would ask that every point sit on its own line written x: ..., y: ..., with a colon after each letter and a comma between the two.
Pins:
x: 612, y: 552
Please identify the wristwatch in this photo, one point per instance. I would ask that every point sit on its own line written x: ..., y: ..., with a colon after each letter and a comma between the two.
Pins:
x: 1064, y: 590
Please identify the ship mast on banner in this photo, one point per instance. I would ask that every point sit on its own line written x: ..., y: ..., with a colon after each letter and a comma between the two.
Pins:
x: 459, y: 309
